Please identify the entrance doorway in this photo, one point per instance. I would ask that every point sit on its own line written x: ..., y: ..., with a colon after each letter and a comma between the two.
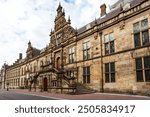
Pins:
x: 45, y: 84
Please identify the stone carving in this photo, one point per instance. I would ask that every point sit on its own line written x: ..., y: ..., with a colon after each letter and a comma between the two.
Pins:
x: 122, y: 25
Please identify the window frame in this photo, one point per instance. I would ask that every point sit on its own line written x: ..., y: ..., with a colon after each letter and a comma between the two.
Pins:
x: 71, y: 55
x: 108, y: 41
x: 143, y: 69
x: 109, y: 73
x: 140, y: 32
x: 86, y: 75
x: 86, y: 50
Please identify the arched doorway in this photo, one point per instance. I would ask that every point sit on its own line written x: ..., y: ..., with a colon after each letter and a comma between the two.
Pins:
x: 58, y: 64
x: 45, y: 84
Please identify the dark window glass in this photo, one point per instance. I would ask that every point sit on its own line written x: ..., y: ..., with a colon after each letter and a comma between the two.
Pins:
x: 136, y: 27
x: 112, y: 66
x: 69, y: 58
x: 137, y: 41
x: 147, y: 62
x: 144, y: 24
x: 145, y: 37
x: 110, y: 72
x: 107, y: 68
x: 139, y: 76
x: 86, y: 51
x: 86, y: 74
x: 73, y: 58
x: 88, y: 54
x: 71, y: 55
x: 107, y: 77
x: 112, y: 77
x: 139, y: 71
x: 139, y: 63
x: 84, y: 70
x: 88, y: 70
x: 112, y: 49
x: 84, y: 55
x: 109, y: 43
x: 106, y: 48
x: 84, y: 79
x: 88, y: 78
x: 147, y: 75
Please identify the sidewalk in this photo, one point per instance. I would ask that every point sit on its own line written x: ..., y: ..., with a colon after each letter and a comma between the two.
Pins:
x: 94, y: 96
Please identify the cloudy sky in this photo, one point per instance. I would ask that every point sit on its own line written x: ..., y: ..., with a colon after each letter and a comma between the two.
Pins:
x: 24, y: 20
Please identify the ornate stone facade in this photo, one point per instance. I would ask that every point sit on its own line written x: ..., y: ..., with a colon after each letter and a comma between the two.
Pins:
x: 110, y: 54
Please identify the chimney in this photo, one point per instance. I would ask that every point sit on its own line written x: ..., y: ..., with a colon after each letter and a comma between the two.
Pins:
x: 103, y: 10
x: 20, y: 56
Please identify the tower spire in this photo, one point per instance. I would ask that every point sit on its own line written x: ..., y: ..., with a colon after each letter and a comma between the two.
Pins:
x: 69, y: 21
x: 59, y: 9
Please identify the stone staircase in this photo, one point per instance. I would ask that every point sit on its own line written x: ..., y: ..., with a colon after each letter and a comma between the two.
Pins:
x: 82, y: 89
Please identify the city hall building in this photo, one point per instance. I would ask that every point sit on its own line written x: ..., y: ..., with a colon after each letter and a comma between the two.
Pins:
x: 109, y: 54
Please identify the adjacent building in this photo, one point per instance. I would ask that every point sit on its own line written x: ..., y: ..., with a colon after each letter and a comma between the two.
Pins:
x: 3, y: 76
x: 109, y: 54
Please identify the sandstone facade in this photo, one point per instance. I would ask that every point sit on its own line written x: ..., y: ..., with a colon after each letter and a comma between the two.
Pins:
x: 102, y: 55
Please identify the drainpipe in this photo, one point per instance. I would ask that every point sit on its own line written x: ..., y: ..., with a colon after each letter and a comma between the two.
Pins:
x: 62, y: 68
x: 102, y: 79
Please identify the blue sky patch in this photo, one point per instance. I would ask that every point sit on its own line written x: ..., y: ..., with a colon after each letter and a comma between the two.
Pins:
x: 69, y: 1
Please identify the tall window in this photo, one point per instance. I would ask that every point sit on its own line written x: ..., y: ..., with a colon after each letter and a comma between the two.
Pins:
x: 24, y: 70
x: 109, y: 43
x: 86, y: 51
x: 141, y: 33
x: 110, y: 72
x: 143, y: 69
x: 71, y: 55
x: 35, y: 68
x: 30, y: 68
x: 86, y: 74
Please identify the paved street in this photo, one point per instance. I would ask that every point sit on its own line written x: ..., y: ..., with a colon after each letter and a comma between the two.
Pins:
x: 17, y: 94
x: 8, y: 95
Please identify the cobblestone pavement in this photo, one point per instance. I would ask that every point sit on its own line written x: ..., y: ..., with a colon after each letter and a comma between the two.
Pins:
x: 94, y: 96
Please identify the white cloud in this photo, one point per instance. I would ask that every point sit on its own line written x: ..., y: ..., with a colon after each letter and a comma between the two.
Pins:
x: 24, y: 20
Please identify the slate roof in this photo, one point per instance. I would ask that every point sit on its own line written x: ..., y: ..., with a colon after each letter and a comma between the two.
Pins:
x: 36, y: 52
x: 108, y: 16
